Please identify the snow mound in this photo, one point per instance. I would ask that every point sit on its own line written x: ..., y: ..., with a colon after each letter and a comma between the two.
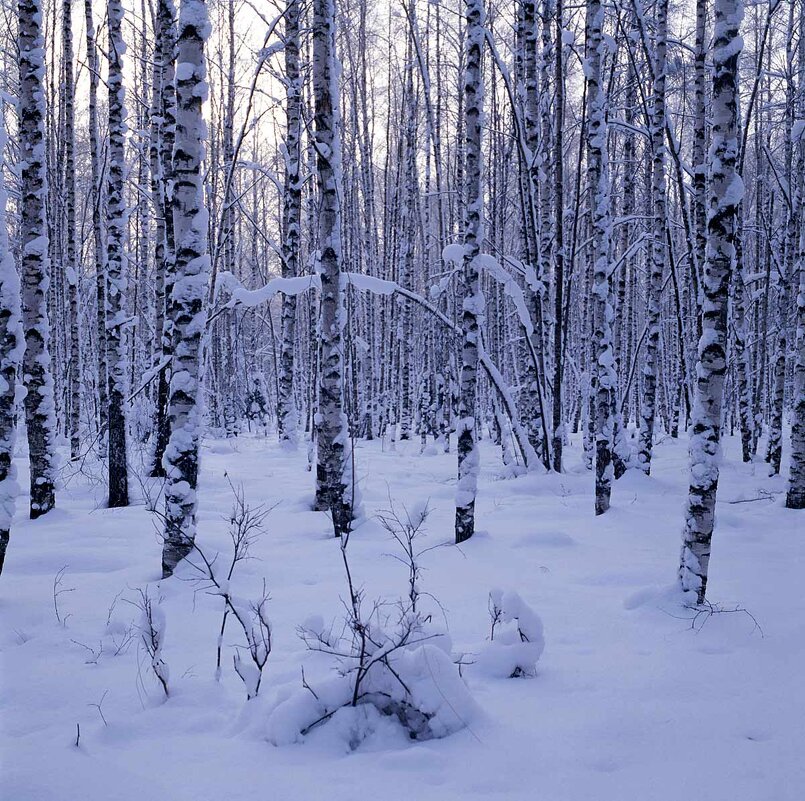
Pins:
x: 517, y: 640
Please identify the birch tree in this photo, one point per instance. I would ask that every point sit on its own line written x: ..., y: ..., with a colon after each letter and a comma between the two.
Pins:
x: 186, y: 304
x: 659, y: 241
x: 287, y: 421
x: 726, y: 192
x: 12, y: 344
x: 116, y: 265
x: 473, y: 302
x: 333, y: 458
x: 40, y: 408
x: 599, y: 254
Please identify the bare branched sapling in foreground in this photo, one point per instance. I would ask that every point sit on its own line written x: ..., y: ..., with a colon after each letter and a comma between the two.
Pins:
x: 152, y: 635
x: 246, y: 524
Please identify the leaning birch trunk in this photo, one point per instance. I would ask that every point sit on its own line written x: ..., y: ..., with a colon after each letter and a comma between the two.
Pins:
x: 648, y: 412
x: 287, y: 418
x: 116, y: 266
x: 333, y: 459
x: 599, y: 211
x: 186, y: 305
x: 164, y: 249
x: 12, y: 344
x: 726, y: 192
x: 40, y: 409
x: 71, y: 265
x: 473, y: 305
x: 99, y: 244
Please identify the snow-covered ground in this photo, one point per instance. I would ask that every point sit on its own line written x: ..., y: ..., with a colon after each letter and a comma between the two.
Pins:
x: 633, y: 698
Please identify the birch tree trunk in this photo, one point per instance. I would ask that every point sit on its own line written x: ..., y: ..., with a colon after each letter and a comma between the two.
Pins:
x: 648, y: 412
x: 795, y: 497
x: 186, y: 304
x: 12, y: 344
x: 287, y: 418
x: 473, y: 303
x: 726, y: 192
x: 40, y: 409
x: 165, y: 246
x: 71, y: 264
x: 599, y: 255
x: 98, y: 238
x: 333, y: 459
x: 117, y: 263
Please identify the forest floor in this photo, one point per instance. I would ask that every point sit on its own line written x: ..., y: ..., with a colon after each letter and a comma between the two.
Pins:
x: 636, y: 697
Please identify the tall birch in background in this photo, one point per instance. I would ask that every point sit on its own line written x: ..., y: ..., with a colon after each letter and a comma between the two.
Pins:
x: 648, y: 412
x: 40, y: 409
x: 12, y: 344
x: 333, y: 465
x: 71, y: 263
x: 599, y: 255
x: 726, y: 191
x: 98, y: 237
x: 287, y: 419
x: 117, y: 264
x: 162, y: 141
x: 186, y: 304
x: 473, y: 303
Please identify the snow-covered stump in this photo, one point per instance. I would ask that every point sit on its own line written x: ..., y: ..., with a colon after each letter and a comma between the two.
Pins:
x: 287, y: 418
x: 40, y: 408
x: 473, y: 303
x: 12, y: 344
x: 186, y: 307
x: 116, y: 265
x: 333, y: 467
x: 726, y: 192
x: 598, y: 255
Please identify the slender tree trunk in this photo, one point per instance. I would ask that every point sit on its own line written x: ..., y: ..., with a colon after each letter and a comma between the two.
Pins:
x: 599, y: 211
x: 186, y: 305
x: 165, y: 246
x: 333, y: 466
x: 40, y: 408
x: 287, y: 419
x: 726, y: 192
x: 71, y: 264
x: 473, y: 303
x: 116, y: 266
x: 659, y: 243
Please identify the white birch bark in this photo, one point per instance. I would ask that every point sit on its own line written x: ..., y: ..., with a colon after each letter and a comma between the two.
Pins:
x: 333, y: 457
x: 12, y: 344
x: 599, y: 255
x: 648, y: 412
x: 117, y: 262
x: 40, y: 409
x: 726, y: 192
x: 287, y: 418
x: 186, y: 304
x: 473, y: 301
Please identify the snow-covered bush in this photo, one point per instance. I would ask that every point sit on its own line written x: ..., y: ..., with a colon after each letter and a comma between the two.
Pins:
x: 516, y: 641
x: 390, y: 657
